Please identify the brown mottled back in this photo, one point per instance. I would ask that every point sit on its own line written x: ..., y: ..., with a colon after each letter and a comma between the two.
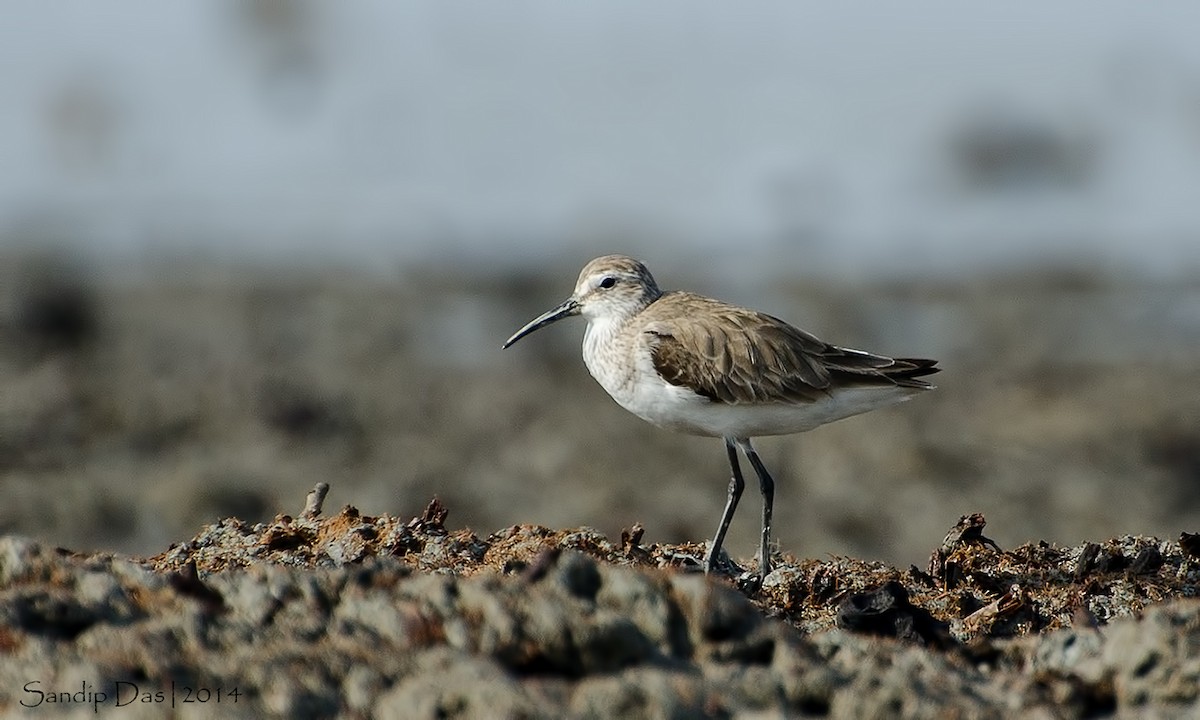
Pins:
x: 738, y: 356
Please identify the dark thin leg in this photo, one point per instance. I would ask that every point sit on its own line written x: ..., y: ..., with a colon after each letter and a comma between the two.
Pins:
x: 736, y: 485
x: 767, y: 485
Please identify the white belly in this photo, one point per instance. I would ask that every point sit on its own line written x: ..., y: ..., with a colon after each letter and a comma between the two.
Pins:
x: 682, y: 410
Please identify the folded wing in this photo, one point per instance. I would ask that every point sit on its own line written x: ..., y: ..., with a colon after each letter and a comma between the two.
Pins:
x: 738, y: 356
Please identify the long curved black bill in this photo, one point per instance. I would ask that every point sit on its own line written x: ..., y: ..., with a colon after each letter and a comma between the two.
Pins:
x: 567, y: 308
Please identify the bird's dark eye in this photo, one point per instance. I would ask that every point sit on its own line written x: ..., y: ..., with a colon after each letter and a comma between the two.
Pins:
x: 608, y: 282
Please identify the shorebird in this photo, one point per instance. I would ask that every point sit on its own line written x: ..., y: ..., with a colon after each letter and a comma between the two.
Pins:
x: 696, y: 365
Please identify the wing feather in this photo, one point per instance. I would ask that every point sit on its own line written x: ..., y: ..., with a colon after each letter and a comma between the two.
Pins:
x: 738, y: 356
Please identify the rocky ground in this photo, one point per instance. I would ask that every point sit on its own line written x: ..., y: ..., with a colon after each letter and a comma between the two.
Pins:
x: 135, y: 409
x: 323, y: 614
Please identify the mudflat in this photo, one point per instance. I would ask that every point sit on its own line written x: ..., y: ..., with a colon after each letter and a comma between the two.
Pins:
x: 143, y: 410
x: 135, y: 409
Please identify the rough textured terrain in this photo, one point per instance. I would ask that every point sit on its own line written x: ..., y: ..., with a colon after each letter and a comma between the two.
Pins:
x: 361, y: 616
x: 137, y: 409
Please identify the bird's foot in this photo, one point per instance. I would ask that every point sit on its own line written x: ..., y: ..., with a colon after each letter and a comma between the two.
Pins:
x: 685, y: 561
x: 723, y: 565
x: 749, y: 582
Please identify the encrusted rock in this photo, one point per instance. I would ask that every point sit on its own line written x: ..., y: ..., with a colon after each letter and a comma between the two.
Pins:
x: 376, y: 616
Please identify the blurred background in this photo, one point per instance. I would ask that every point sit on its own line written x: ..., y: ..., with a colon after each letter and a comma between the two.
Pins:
x: 250, y: 246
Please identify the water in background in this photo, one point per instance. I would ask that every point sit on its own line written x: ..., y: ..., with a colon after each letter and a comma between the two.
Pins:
x: 914, y: 138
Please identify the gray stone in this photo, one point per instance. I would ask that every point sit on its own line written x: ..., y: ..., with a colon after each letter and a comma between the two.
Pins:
x: 248, y: 597
x: 451, y: 684
x: 373, y: 616
x: 360, y: 687
x: 17, y: 557
x: 609, y: 642
x: 645, y: 694
x: 646, y: 600
x: 721, y: 621
x: 578, y: 575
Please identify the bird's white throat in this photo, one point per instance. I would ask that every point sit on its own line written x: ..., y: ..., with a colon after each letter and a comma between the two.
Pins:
x: 606, y: 354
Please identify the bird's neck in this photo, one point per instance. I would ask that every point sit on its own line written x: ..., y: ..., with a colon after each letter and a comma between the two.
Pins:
x: 607, y: 343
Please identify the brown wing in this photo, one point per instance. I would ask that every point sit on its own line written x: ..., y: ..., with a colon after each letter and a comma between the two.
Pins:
x: 734, y: 355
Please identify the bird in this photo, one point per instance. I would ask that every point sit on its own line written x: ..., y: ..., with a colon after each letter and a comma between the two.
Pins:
x: 693, y: 364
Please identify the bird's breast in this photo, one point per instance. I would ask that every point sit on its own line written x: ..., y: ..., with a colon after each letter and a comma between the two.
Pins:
x: 621, y: 363
x: 607, y: 354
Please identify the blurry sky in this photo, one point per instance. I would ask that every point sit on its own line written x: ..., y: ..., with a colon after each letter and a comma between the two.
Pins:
x: 866, y: 138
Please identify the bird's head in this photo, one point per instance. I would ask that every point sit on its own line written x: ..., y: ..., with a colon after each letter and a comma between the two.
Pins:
x: 610, y: 287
